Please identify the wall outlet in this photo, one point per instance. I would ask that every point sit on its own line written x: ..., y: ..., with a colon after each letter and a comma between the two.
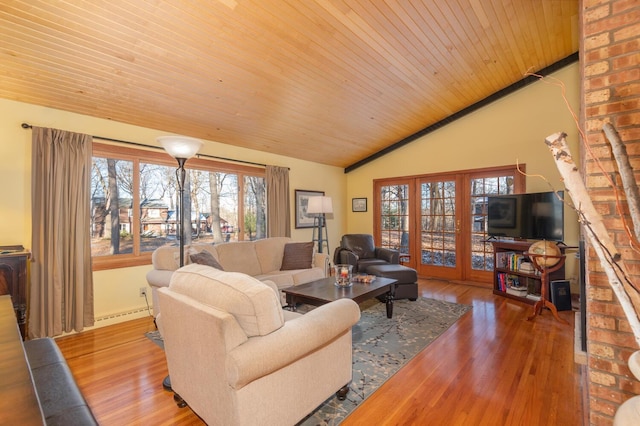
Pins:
x: 143, y: 292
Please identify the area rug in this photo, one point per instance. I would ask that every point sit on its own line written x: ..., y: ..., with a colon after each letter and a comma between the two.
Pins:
x: 381, y: 346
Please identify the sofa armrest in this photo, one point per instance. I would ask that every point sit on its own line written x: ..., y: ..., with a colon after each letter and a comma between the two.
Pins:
x: 321, y: 260
x: 293, y: 341
x: 159, y: 277
x: 390, y: 255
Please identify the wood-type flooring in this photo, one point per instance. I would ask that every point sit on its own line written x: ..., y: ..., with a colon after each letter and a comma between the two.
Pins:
x: 492, y: 367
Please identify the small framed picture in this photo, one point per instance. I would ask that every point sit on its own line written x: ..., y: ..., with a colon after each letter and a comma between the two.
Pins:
x: 303, y: 219
x: 358, y: 204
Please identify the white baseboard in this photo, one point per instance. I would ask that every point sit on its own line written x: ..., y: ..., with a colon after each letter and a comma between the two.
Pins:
x: 114, y: 318
x: 119, y: 317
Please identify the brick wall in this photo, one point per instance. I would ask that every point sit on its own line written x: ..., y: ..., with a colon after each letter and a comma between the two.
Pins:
x: 611, y: 66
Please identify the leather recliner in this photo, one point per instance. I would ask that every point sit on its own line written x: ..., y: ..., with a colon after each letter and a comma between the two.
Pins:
x: 360, y: 251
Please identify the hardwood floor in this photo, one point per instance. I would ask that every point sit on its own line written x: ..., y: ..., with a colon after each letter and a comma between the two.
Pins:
x: 492, y: 367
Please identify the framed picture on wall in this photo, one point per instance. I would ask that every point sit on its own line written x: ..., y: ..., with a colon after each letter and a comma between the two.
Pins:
x: 358, y: 204
x: 303, y: 220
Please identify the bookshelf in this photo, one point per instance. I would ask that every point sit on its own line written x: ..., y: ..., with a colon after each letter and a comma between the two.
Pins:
x: 514, y: 275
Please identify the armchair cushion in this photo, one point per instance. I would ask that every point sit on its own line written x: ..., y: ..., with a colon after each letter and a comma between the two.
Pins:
x: 254, y: 304
x: 297, y: 256
x: 205, y: 258
x: 389, y: 255
x: 360, y: 244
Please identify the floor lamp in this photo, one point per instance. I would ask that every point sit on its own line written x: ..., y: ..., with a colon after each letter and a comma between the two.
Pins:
x: 320, y: 206
x: 181, y: 148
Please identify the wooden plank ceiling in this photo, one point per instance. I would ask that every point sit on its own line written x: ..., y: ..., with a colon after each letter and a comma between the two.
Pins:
x: 330, y: 81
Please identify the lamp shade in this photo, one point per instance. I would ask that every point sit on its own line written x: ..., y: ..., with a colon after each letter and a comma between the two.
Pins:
x: 180, y: 146
x: 320, y: 205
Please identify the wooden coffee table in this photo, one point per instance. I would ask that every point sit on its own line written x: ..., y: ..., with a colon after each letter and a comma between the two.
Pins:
x: 323, y: 291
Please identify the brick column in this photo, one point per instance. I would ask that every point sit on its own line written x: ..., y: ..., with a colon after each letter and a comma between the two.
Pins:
x: 611, y: 74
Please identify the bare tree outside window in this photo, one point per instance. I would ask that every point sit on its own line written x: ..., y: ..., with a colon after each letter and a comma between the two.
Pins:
x: 395, y: 217
x: 255, y: 219
x: 134, y: 205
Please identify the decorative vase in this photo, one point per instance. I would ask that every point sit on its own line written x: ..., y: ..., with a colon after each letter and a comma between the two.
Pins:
x: 343, y: 275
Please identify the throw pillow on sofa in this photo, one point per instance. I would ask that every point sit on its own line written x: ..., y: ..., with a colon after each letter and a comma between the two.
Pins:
x: 205, y: 258
x: 297, y: 256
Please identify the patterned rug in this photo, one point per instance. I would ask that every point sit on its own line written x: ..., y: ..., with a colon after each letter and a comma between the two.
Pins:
x: 381, y: 346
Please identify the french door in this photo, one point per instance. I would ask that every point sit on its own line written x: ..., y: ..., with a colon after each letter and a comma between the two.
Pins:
x: 439, y: 230
x: 438, y: 222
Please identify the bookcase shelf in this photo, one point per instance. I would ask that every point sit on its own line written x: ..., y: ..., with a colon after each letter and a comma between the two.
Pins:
x: 509, y: 278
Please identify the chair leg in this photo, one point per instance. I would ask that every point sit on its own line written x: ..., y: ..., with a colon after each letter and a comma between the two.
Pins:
x: 342, y: 393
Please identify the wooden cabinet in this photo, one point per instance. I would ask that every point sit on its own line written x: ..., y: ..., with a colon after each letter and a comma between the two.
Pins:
x: 514, y: 275
x: 13, y: 281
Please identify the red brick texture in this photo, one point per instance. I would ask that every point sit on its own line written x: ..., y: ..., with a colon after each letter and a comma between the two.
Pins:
x: 611, y: 67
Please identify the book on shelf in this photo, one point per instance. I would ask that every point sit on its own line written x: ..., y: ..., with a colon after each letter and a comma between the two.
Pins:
x: 527, y: 267
x: 532, y: 296
x: 533, y: 285
x: 512, y: 260
x: 517, y: 291
x: 502, y: 259
x: 504, y: 281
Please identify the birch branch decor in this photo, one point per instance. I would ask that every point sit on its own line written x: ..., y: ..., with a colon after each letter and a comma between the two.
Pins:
x: 602, y: 243
x: 628, y: 180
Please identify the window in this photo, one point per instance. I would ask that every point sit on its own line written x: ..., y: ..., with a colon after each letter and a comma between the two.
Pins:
x: 135, y: 199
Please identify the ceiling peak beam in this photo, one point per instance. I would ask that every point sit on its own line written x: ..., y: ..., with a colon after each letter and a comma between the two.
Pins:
x: 453, y: 117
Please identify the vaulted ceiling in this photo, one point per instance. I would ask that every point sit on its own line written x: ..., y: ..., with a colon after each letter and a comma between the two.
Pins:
x: 331, y: 81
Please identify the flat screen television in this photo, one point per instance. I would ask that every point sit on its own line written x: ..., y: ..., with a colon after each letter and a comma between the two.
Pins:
x: 533, y: 216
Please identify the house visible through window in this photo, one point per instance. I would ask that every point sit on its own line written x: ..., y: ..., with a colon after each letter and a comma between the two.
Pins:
x: 135, y: 199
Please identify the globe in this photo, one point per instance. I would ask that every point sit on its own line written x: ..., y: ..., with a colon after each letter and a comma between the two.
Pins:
x: 545, y: 248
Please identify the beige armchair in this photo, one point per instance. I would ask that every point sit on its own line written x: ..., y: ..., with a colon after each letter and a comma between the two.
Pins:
x: 237, y: 358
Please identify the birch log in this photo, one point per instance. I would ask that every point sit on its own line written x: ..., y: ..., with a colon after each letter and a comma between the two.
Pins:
x: 626, y: 174
x: 596, y: 232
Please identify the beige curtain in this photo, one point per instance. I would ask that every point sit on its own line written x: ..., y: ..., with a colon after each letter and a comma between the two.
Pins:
x: 278, y: 206
x: 61, y: 293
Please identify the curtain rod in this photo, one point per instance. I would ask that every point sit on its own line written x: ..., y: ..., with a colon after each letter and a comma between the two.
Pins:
x: 29, y: 126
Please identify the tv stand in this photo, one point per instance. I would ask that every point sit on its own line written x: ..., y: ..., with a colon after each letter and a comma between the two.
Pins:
x: 510, y: 277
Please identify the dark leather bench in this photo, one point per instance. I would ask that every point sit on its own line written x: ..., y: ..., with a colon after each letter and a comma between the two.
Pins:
x: 407, y: 285
x: 60, y: 399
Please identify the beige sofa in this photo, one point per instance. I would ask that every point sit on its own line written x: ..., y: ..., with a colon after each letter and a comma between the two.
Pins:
x: 237, y: 358
x: 261, y: 259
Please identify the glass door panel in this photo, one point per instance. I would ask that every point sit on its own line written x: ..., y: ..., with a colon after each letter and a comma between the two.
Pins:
x: 394, y: 217
x: 481, y: 185
x: 439, y: 229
